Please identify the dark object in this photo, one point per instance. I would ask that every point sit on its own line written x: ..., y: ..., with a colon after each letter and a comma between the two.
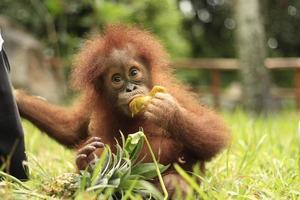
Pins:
x: 12, y: 150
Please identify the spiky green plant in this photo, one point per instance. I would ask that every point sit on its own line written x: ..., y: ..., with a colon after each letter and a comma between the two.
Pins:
x: 114, y: 176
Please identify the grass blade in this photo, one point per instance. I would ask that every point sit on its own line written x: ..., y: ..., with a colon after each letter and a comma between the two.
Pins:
x: 190, y: 181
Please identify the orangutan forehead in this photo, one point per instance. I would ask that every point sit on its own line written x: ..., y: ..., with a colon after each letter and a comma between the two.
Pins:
x: 124, y: 55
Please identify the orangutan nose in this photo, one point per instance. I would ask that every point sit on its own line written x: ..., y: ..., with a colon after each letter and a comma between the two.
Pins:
x: 130, y: 87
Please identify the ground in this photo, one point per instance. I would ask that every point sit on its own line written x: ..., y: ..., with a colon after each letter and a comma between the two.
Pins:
x: 263, y: 161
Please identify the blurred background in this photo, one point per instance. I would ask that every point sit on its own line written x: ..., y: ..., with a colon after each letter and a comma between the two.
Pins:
x: 233, y: 53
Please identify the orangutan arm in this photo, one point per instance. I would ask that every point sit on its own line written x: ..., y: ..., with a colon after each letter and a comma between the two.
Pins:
x: 67, y: 126
x: 203, y: 133
x: 200, y: 130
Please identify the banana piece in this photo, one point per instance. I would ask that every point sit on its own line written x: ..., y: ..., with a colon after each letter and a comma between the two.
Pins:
x: 138, y: 103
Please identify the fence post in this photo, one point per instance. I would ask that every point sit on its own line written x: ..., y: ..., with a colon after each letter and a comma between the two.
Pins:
x: 215, y: 87
x: 297, y: 88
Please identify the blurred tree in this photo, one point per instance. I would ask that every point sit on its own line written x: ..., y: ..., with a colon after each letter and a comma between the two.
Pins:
x: 160, y: 16
x: 61, y: 23
x: 283, y: 27
x: 282, y: 19
x: 209, y: 27
x: 251, y: 49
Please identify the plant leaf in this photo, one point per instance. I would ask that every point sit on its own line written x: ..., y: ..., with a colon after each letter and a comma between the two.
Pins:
x: 99, y: 166
x: 132, y: 141
x: 148, y: 170
x: 147, y: 189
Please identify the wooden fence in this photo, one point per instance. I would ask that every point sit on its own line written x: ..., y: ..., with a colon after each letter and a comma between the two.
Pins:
x: 216, y: 66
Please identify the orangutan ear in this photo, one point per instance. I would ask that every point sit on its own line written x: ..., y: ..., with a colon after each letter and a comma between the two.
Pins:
x: 98, y: 84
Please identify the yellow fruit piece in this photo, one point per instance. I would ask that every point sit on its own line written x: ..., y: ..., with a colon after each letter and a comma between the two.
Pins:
x: 138, y: 103
x: 157, y: 89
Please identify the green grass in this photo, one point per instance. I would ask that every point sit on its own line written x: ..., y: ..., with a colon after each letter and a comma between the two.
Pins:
x: 263, y: 161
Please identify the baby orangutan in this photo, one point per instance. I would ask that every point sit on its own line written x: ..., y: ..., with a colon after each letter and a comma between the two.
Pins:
x: 110, y: 71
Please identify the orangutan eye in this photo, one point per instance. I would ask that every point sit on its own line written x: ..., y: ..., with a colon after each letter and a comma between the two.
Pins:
x: 116, y: 78
x: 133, y: 72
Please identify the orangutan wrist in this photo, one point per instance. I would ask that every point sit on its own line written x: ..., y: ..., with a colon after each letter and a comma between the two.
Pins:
x: 175, y: 124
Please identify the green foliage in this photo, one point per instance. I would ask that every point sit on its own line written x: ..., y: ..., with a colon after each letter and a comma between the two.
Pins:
x: 55, y: 7
x: 282, y: 24
x: 160, y: 16
x: 208, y: 36
x: 61, y: 24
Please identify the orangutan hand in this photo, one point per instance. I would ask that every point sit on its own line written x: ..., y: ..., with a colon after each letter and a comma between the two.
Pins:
x: 162, y: 109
